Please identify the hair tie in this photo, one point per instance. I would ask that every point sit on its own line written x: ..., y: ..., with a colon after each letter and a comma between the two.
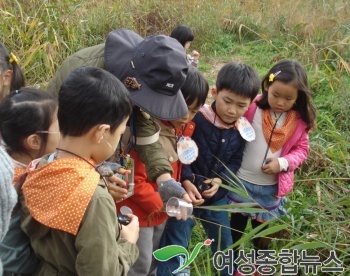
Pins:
x: 13, y: 58
x: 272, y: 76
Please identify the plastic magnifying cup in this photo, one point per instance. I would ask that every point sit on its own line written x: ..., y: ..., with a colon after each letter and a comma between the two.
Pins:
x: 123, y: 218
x: 179, y: 208
x: 125, y: 210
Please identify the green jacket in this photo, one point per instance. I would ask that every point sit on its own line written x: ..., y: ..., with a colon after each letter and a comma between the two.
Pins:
x: 95, y: 250
x: 150, y: 153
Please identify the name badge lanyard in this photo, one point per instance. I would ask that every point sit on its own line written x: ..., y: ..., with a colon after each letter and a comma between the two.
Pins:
x: 270, y: 139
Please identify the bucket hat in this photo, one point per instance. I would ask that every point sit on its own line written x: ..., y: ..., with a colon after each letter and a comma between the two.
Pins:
x: 153, y: 69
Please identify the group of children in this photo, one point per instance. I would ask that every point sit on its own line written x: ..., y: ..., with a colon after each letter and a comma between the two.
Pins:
x: 68, y: 209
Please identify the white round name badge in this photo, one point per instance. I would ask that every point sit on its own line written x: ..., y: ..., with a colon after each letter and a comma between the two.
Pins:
x: 245, y: 129
x: 187, y: 150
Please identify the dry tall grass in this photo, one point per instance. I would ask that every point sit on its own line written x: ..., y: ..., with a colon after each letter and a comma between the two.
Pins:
x: 44, y: 32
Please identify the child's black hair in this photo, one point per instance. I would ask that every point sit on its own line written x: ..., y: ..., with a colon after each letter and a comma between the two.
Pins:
x: 195, y: 88
x: 293, y: 73
x: 90, y: 96
x: 238, y: 78
x: 6, y: 63
x: 23, y: 113
x: 183, y: 34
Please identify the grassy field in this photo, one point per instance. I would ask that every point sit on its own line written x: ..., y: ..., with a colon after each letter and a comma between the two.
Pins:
x: 317, y: 33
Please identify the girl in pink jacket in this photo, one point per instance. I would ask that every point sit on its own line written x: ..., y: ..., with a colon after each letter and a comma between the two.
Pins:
x: 282, y: 117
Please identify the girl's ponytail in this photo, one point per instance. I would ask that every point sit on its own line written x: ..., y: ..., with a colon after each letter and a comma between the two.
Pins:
x: 17, y: 77
x: 10, y: 62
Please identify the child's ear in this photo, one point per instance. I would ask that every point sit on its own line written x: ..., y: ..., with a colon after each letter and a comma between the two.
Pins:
x: 214, y: 92
x: 100, y: 131
x: 33, y: 142
x: 7, y: 77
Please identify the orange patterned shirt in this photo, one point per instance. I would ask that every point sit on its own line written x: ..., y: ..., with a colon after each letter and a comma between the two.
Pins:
x: 18, y: 172
x: 58, y: 193
x: 280, y: 135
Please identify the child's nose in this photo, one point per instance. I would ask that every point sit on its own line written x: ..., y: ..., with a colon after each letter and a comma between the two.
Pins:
x: 232, y: 110
x: 280, y: 102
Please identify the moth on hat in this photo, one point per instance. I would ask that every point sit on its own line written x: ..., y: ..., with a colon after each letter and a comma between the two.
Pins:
x: 132, y: 83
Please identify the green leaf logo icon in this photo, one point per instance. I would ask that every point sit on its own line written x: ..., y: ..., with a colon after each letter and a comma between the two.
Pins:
x: 168, y: 252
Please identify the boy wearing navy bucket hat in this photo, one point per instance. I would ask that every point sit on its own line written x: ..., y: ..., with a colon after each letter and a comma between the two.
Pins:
x: 153, y: 69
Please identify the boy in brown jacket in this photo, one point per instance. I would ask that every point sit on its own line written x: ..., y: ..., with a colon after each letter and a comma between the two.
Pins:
x: 153, y: 69
x: 72, y: 222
